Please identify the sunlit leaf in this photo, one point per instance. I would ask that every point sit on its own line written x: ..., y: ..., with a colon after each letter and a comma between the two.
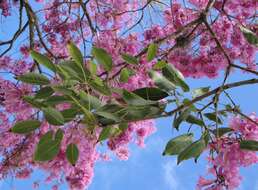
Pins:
x: 103, y: 58
x: 160, y: 65
x: 43, y: 60
x: 175, y: 76
x: 200, y: 91
x: 129, y: 59
x: 75, y: 53
x: 161, y: 81
x: 124, y: 75
x: 151, y: 52
x: 250, y: 36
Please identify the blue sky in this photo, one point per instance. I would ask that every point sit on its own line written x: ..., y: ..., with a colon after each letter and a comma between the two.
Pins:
x: 147, y: 168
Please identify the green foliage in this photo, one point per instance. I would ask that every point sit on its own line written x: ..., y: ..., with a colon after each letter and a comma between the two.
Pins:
x: 103, y: 58
x: 24, y: 127
x: 250, y: 36
x: 48, y: 146
x: 151, y: 52
x: 213, y: 117
x: 152, y: 93
x: 160, y: 65
x: 44, y: 92
x: 182, y: 117
x: 53, y: 116
x: 221, y: 131
x: 175, y: 76
x: 161, y: 82
x: 130, y: 59
x: 85, y: 89
x: 192, y: 151
x: 249, y: 145
x: 72, y: 153
x: 34, y: 78
x: 200, y: 91
x: 178, y: 144
x: 43, y: 60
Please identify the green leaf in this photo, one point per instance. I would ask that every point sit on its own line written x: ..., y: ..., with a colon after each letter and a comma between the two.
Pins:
x: 192, y: 151
x: 59, y: 135
x: 200, y: 91
x: 133, y: 99
x: 123, y: 126
x: 129, y: 59
x: 92, y: 67
x: 151, y: 93
x: 32, y: 101
x: 24, y: 127
x: 63, y: 90
x: 151, y: 52
x: 108, y: 115
x: 177, y: 144
x: 175, y: 76
x: 107, y: 132
x: 110, y: 108
x: 182, y: 117
x: 53, y: 116
x: 100, y: 86
x: 48, y: 136
x: 90, y: 102
x: 250, y: 36
x: 55, y: 100
x: 69, y: 72
x: 72, y: 70
x: 43, y: 60
x: 34, y: 78
x: 103, y: 58
x: 89, y: 117
x: 124, y: 75
x: 72, y: 153
x: 212, y: 117
x: 69, y: 114
x: 221, y: 131
x: 161, y: 81
x: 194, y: 120
x: 160, y: 65
x: 48, y: 148
x: 249, y: 145
x: 44, y: 92
x: 76, y: 54
x: 132, y: 113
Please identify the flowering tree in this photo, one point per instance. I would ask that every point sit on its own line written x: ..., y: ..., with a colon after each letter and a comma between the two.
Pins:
x: 98, y: 72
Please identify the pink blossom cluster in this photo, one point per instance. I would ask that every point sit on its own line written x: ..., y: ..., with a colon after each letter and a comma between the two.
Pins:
x: 5, y: 8
x: 228, y: 158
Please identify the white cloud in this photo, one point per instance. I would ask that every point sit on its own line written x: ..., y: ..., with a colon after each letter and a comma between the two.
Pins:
x: 170, y: 175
